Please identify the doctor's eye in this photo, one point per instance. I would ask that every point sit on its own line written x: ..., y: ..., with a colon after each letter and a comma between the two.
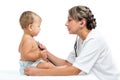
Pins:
x: 69, y: 20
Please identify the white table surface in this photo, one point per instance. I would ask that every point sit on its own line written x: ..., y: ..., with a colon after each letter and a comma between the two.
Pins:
x: 14, y: 75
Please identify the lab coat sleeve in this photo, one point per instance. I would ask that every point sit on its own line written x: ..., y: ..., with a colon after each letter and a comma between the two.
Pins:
x: 71, y: 57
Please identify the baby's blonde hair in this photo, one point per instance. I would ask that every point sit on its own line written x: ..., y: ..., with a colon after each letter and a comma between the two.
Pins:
x: 27, y: 18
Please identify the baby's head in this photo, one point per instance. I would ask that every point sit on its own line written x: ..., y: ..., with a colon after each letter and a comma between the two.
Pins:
x: 29, y: 17
x: 30, y: 22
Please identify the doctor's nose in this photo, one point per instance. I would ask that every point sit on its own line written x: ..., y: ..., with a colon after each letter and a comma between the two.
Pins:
x: 66, y: 24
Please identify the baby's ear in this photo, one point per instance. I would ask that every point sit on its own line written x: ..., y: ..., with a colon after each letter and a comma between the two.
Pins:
x: 30, y: 27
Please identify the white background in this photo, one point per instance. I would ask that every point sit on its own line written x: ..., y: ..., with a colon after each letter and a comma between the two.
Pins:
x: 54, y: 34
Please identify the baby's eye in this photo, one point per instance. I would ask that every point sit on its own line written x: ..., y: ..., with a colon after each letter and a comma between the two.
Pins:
x: 38, y: 25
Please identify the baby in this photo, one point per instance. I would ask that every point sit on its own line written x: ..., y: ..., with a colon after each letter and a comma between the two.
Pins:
x: 28, y: 48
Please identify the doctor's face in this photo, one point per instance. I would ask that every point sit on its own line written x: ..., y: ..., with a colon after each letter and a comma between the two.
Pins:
x: 72, y: 25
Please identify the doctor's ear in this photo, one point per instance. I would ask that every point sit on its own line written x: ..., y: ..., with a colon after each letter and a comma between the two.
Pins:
x: 82, y: 22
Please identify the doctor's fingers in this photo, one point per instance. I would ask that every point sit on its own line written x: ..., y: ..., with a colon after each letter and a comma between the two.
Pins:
x: 42, y: 46
x: 27, y: 70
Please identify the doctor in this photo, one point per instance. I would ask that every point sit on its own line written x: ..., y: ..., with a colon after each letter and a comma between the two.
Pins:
x: 91, y: 54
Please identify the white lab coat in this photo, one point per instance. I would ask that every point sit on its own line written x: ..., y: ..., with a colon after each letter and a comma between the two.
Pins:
x: 94, y: 57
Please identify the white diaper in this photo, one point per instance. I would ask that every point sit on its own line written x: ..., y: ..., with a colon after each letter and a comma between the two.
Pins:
x: 24, y: 64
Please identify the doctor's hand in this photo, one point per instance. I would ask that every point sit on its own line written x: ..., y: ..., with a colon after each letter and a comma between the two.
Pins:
x: 44, y: 51
x: 31, y: 71
x: 41, y: 46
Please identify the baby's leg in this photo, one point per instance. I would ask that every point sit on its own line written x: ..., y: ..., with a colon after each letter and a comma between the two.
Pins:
x: 45, y: 65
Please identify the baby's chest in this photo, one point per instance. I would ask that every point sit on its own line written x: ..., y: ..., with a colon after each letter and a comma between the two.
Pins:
x: 35, y: 46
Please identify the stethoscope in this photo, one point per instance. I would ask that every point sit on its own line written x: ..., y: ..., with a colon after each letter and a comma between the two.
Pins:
x: 75, y: 46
